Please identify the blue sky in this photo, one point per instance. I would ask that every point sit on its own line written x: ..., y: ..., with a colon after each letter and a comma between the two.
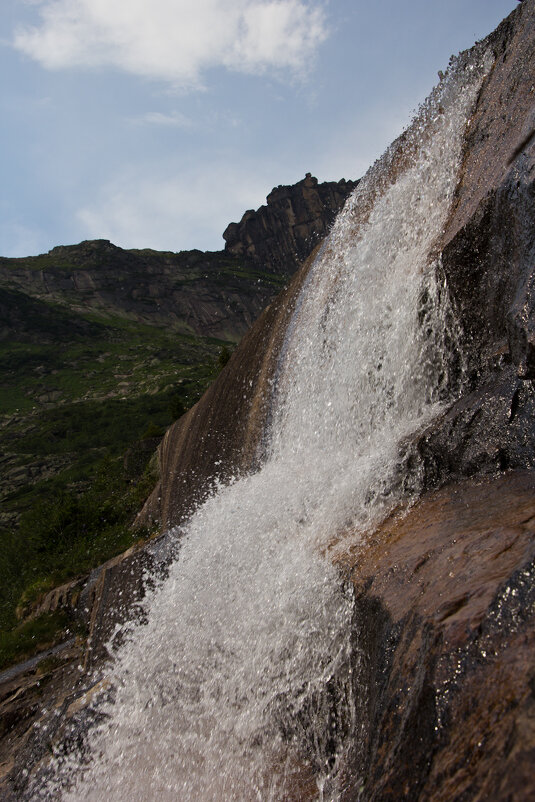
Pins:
x: 154, y: 123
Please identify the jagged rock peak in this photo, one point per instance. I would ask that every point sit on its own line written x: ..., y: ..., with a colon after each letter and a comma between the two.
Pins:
x: 294, y: 219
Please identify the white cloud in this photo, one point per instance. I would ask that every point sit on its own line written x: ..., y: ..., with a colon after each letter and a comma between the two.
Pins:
x: 141, y: 210
x: 172, y: 120
x: 176, y: 40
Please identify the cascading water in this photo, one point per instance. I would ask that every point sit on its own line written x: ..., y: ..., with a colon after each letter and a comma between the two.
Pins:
x: 239, y: 686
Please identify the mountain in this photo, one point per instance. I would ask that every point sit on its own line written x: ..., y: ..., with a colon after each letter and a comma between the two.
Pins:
x: 87, y: 326
x: 210, y: 294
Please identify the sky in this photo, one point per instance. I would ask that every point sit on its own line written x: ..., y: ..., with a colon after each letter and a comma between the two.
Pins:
x: 155, y: 123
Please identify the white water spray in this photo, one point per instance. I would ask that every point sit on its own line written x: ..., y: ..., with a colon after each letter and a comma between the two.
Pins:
x: 240, y: 685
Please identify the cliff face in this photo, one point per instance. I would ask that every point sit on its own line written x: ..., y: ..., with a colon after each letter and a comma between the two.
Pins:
x: 282, y: 234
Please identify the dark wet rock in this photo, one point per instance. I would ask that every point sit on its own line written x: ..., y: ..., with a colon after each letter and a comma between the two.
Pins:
x: 28, y: 704
x: 112, y: 594
x: 445, y: 616
x: 489, y: 430
x: 488, y: 261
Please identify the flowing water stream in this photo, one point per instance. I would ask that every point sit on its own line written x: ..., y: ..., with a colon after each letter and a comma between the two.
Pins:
x: 240, y: 684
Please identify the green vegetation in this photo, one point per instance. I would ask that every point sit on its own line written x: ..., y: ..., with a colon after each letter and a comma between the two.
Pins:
x: 66, y: 533
x: 78, y: 393
x: 33, y: 636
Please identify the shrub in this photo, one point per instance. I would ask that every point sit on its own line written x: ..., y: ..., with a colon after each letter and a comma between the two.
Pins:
x: 152, y: 430
x: 224, y: 356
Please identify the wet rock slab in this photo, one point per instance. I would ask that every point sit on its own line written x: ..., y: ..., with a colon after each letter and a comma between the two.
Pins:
x: 445, y: 614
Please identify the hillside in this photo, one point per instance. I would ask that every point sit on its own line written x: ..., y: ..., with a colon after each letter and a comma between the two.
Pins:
x: 195, y: 293
x: 209, y: 294
x: 101, y: 348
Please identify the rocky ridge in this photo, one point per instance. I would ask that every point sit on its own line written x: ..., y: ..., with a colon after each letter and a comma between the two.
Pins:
x: 217, y: 294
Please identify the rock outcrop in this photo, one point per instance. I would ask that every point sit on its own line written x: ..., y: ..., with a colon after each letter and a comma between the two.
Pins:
x: 29, y: 728
x: 217, y: 294
x: 283, y: 232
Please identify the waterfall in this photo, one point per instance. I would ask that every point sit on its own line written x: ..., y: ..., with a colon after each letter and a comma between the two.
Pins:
x: 240, y: 683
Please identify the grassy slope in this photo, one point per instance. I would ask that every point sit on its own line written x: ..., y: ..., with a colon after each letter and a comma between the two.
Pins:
x: 82, y: 380
x: 76, y: 391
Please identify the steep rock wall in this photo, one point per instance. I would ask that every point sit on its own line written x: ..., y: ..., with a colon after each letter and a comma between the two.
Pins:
x: 444, y: 591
